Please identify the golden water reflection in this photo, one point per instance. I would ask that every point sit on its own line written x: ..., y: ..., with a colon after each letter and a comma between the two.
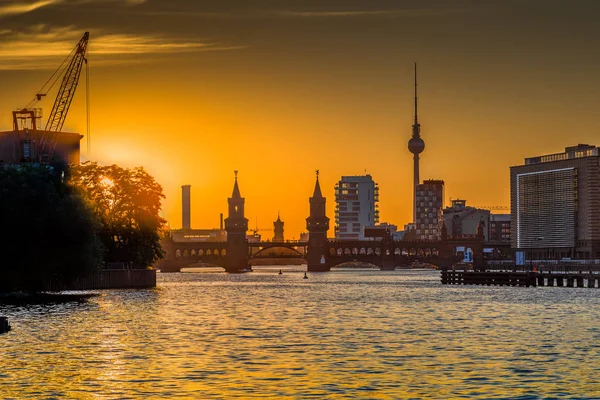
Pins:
x: 361, y: 334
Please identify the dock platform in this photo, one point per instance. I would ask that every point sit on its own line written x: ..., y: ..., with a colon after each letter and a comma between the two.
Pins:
x: 572, y: 279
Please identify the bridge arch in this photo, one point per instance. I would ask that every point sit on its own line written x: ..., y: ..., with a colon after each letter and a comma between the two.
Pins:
x: 352, y: 264
x: 263, y: 250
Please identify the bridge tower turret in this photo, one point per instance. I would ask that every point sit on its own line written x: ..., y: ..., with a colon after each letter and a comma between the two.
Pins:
x: 278, y: 230
x: 317, y: 225
x: 236, y: 225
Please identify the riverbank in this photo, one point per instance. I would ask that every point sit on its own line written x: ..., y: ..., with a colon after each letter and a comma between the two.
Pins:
x: 22, y: 299
x: 111, y: 279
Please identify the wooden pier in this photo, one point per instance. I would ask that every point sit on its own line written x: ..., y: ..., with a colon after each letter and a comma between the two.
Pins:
x: 578, y: 279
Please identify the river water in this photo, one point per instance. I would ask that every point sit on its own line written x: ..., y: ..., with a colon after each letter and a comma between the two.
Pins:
x: 343, y: 334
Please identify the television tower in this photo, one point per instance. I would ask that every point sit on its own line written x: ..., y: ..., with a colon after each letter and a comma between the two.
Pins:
x: 416, y: 145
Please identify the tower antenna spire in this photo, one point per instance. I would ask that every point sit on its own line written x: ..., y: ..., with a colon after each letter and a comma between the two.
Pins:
x: 416, y: 145
x: 416, y: 104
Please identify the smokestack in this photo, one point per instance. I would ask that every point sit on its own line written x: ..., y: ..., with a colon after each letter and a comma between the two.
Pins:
x: 221, y: 221
x: 185, y: 206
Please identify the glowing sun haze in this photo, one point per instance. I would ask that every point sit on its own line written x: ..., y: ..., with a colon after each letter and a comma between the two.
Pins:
x: 277, y: 89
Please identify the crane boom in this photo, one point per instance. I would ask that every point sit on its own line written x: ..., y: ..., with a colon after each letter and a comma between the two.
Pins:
x: 65, y: 95
x: 34, y: 144
x: 67, y: 87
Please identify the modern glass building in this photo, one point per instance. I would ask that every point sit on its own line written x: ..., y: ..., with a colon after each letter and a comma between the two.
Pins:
x: 555, y: 204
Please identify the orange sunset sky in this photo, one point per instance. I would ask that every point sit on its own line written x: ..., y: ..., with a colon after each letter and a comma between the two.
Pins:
x: 276, y: 89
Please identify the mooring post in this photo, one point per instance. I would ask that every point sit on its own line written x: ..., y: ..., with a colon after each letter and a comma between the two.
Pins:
x: 4, y: 325
x: 570, y: 281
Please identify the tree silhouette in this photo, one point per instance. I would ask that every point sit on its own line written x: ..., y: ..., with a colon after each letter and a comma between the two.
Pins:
x: 48, y: 230
x: 127, y: 202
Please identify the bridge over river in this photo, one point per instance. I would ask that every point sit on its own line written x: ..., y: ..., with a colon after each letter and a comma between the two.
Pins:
x: 320, y: 253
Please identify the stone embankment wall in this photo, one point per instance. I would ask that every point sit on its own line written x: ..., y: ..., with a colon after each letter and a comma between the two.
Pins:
x: 113, y: 279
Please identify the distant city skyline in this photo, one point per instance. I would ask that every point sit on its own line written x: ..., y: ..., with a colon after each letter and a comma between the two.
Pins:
x: 194, y: 90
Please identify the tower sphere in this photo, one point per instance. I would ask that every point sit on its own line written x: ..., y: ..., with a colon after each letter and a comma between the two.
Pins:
x: 416, y: 145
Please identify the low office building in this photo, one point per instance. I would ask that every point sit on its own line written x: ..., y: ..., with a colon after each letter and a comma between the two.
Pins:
x: 462, y: 220
x: 555, y: 204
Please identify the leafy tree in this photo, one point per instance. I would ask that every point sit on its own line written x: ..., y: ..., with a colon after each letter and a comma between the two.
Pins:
x: 48, y: 230
x: 127, y: 202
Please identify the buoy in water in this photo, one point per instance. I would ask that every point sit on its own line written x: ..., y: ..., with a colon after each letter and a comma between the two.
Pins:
x: 4, y: 325
x: 280, y: 273
x: 305, y: 276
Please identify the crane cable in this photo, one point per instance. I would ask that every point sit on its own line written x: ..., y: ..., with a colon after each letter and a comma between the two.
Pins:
x: 87, y: 107
x: 41, y: 92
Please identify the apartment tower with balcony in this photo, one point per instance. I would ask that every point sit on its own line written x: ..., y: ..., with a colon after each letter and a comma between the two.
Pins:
x: 356, y: 207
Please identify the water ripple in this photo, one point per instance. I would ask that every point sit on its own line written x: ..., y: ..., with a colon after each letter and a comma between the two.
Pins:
x: 345, y: 334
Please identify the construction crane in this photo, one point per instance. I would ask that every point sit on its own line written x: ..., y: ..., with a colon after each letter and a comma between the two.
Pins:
x: 495, y: 208
x: 255, y: 235
x: 41, y: 145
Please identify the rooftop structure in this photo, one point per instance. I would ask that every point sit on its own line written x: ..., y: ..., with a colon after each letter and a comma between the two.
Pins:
x: 20, y: 146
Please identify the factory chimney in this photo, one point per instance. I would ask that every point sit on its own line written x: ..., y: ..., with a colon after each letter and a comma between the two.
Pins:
x: 186, y: 207
x: 221, y: 221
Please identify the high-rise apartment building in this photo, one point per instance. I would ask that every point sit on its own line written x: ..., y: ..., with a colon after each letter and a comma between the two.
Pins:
x: 429, y: 202
x: 356, y: 199
x: 555, y: 204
